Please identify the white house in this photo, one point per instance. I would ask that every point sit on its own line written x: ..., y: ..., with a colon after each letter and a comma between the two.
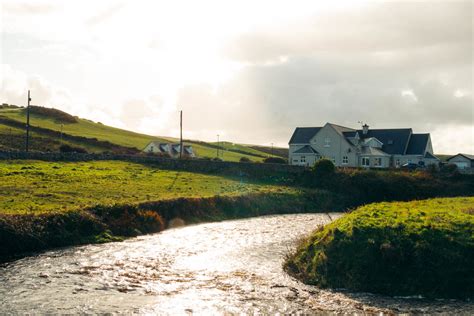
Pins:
x: 170, y: 149
x: 462, y: 161
x: 370, y: 148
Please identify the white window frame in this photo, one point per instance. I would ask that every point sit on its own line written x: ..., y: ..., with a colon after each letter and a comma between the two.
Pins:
x: 365, y: 159
x: 327, y: 142
x: 303, y: 159
x: 377, y: 162
x: 345, y: 160
x: 397, y: 162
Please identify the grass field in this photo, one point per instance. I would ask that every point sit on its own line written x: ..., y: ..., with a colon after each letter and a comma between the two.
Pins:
x: 400, y: 248
x: 87, y: 128
x: 34, y: 186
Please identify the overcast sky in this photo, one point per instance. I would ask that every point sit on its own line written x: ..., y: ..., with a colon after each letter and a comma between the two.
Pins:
x: 250, y: 71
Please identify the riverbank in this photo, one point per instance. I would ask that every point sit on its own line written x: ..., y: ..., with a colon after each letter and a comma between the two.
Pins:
x: 53, y: 204
x: 400, y: 248
x: 23, y: 233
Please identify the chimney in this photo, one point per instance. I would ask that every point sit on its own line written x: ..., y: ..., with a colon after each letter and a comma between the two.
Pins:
x: 365, y: 129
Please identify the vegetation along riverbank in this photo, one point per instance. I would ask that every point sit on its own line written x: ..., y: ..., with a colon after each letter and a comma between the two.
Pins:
x: 400, y: 248
x: 52, y: 204
x: 49, y: 204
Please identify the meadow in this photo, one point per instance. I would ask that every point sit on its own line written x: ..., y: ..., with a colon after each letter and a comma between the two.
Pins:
x: 34, y: 187
x: 53, y: 119
x: 421, y: 247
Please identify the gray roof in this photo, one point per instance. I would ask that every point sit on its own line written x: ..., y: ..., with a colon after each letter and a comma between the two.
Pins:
x: 372, y: 151
x: 417, y: 144
x: 468, y: 156
x: 395, y: 140
x: 306, y: 150
x: 341, y: 129
x: 302, y: 135
x: 430, y: 156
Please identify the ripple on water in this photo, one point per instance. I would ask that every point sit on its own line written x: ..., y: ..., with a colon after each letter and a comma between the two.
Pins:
x: 226, y: 267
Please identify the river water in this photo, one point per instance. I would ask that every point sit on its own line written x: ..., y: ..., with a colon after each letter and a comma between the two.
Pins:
x: 215, y: 268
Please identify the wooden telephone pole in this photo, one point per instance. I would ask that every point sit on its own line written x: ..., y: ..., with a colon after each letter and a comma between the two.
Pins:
x: 28, y: 123
x: 180, y: 134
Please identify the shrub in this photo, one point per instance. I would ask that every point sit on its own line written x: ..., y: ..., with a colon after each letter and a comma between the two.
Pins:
x: 432, y: 168
x: 216, y: 159
x: 150, y: 222
x: 275, y: 160
x: 323, y: 167
x: 449, y: 170
x: 57, y: 115
x: 244, y: 159
x: 72, y: 149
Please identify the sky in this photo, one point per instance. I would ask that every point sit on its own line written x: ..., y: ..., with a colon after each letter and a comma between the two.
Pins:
x: 250, y: 71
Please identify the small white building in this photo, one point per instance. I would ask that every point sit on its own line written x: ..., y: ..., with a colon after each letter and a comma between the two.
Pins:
x: 462, y: 161
x: 170, y: 149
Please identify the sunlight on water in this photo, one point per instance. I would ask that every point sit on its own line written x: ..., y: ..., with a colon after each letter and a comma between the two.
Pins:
x: 216, y: 268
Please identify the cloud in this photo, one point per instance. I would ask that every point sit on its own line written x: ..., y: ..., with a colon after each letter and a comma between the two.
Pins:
x: 105, y: 14
x: 28, y: 8
x: 14, y: 86
x: 393, y: 27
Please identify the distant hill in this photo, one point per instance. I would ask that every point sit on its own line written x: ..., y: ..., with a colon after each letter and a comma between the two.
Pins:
x: 46, y: 125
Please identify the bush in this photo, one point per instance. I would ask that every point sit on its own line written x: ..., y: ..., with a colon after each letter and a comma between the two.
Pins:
x: 244, y: 159
x: 216, y: 159
x: 58, y: 115
x: 449, y: 170
x: 275, y: 160
x: 432, y: 168
x: 323, y: 167
x: 72, y: 149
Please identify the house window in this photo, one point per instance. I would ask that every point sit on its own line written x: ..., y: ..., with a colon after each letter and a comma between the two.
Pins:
x: 397, y: 163
x: 333, y: 159
x: 377, y: 162
x: 345, y: 160
x: 303, y: 159
x: 327, y: 142
x: 151, y: 148
x: 365, y: 162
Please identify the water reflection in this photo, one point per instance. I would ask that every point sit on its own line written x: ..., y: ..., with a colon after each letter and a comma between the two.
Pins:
x: 216, y: 268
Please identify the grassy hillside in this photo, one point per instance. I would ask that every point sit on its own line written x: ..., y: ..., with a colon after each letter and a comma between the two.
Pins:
x: 33, y: 186
x: 52, y: 120
x: 400, y: 248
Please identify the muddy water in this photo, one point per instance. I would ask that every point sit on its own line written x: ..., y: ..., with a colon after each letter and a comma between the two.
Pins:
x: 216, y: 268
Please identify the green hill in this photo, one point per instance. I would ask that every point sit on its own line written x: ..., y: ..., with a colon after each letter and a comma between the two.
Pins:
x: 47, y: 124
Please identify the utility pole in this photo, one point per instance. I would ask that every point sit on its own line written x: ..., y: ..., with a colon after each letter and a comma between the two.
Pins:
x: 61, y: 135
x: 28, y: 123
x: 11, y: 139
x: 217, y: 145
x: 180, y: 134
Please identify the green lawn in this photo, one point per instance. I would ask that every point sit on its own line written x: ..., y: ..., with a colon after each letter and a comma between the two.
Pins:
x: 34, y: 186
x: 400, y: 248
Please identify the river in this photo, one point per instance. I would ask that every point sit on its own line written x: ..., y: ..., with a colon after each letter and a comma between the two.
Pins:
x: 213, y: 268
